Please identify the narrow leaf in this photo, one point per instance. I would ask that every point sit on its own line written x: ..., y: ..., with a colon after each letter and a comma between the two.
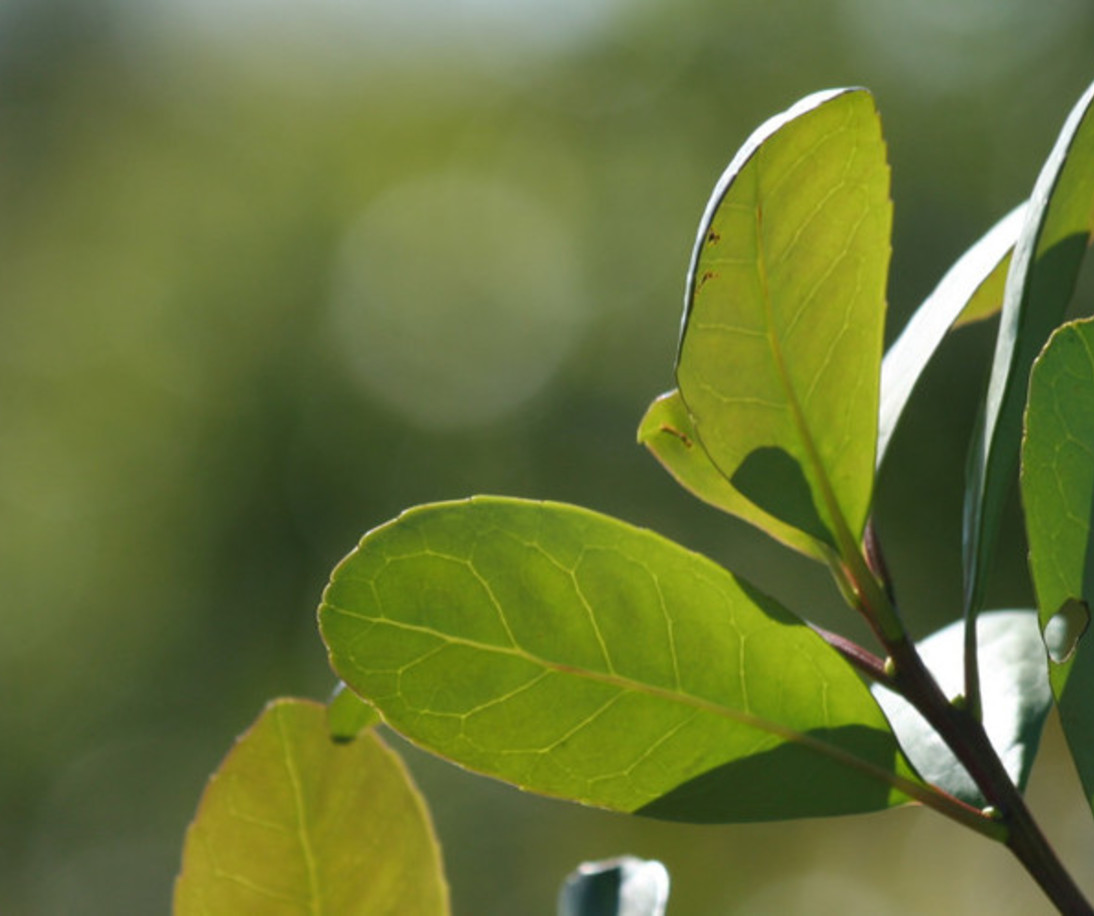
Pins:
x: 576, y: 656
x: 1058, y: 494
x: 971, y: 290
x: 781, y: 342
x: 348, y: 715
x: 293, y: 822
x: 1017, y: 698
x: 667, y: 432
x: 627, y: 886
x: 1042, y: 276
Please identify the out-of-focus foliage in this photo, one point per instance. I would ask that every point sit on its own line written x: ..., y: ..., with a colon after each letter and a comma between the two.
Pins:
x: 225, y: 353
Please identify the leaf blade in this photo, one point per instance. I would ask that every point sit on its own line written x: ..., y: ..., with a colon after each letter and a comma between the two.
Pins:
x: 1057, y: 483
x: 562, y: 651
x: 667, y: 432
x: 624, y: 886
x: 781, y: 340
x: 1044, y: 267
x: 971, y: 290
x: 289, y: 823
x: 1016, y: 701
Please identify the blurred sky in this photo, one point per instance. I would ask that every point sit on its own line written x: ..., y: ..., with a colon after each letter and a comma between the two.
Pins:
x: 271, y: 272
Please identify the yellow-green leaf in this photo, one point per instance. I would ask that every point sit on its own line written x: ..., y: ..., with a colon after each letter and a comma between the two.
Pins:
x: 576, y: 656
x: 781, y: 344
x: 667, y: 432
x: 295, y: 823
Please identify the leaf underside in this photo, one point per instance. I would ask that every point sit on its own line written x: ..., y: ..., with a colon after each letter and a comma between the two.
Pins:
x: 1017, y: 699
x: 1058, y: 495
x: 576, y: 656
x: 625, y: 886
x: 294, y: 823
x: 1043, y: 272
x: 970, y: 291
x: 781, y: 341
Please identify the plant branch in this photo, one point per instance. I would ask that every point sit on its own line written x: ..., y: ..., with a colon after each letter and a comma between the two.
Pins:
x: 965, y: 736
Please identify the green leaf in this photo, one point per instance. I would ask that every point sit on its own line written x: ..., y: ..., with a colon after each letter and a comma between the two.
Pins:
x: 626, y: 886
x: 971, y: 290
x: 576, y: 656
x: 667, y: 432
x: 781, y: 344
x: 1042, y: 277
x: 293, y: 822
x: 1058, y: 494
x: 348, y: 715
x: 1017, y: 698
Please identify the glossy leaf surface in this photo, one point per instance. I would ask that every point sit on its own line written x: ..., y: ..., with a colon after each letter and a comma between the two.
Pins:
x: 626, y: 886
x: 1043, y: 271
x: 666, y: 430
x: 971, y: 290
x: 1017, y: 698
x: 294, y: 823
x: 576, y: 656
x: 781, y: 343
x: 1058, y: 494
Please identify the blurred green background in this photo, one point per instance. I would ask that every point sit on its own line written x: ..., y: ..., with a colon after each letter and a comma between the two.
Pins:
x: 271, y: 272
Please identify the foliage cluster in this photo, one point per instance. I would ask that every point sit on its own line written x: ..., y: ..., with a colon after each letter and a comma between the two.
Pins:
x: 577, y: 656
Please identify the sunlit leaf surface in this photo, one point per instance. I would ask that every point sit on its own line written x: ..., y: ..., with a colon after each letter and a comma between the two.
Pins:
x: 294, y: 823
x: 1044, y: 267
x: 1016, y: 699
x: 781, y: 345
x: 577, y: 656
x: 970, y: 291
x: 1058, y: 494
x: 666, y: 430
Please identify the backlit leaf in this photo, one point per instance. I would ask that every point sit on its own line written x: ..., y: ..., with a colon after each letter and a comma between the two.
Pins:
x: 781, y: 344
x: 971, y: 290
x: 667, y: 432
x: 1043, y: 271
x: 1058, y: 494
x: 577, y: 656
x: 295, y: 823
x: 1017, y: 698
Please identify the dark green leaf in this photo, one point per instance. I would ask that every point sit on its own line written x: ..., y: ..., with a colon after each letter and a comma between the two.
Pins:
x: 1017, y: 698
x: 348, y: 715
x: 577, y: 656
x: 1043, y: 271
x: 781, y: 346
x: 293, y: 822
x: 626, y: 886
x: 971, y: 290
x: 1058, y: 494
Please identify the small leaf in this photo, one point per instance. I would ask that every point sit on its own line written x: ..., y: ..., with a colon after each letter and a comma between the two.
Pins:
x: 971, y: 290
x: 667, y: 432
x: 1017, y: 698
x: 785, y: 304
x: 293, y: 822
x: 1043, y: 272
x: 348, y: 715
x: 1058, y: 494
x: 576, y: 656
x: 626, y: 886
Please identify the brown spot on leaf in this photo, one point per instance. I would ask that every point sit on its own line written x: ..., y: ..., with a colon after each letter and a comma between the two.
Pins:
x: 672, y: 431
